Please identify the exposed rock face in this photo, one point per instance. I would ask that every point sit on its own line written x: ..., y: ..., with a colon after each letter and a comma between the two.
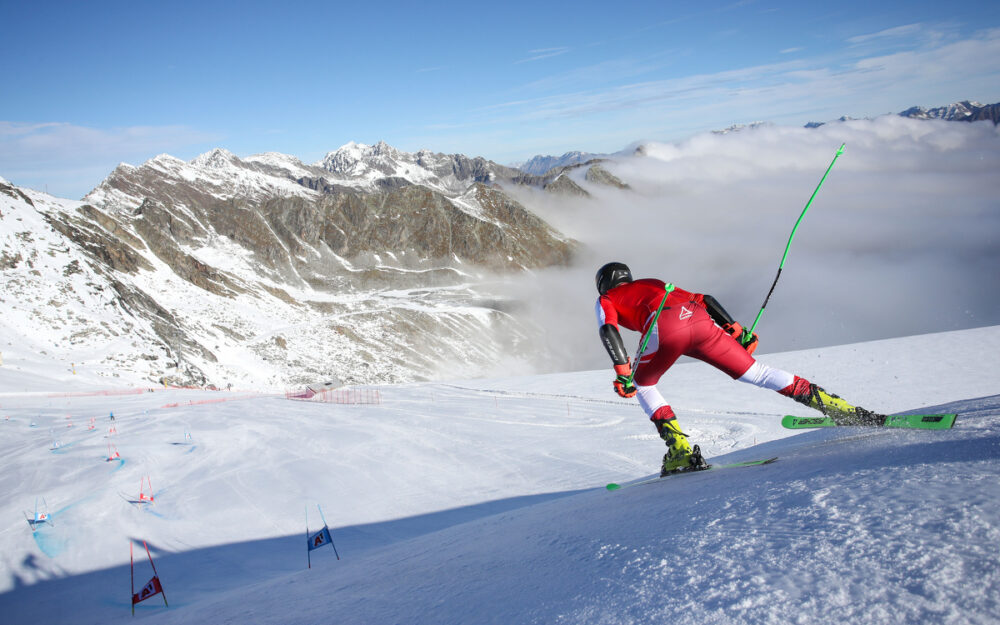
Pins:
x: 598, y: 175
x: 563, y: 185
x: 315, y: 229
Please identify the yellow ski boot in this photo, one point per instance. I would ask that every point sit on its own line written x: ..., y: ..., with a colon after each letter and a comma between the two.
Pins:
x: 680, y: 455
x: 832, y: 405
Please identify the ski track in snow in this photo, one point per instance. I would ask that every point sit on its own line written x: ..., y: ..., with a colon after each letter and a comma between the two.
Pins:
x: 483, y: 501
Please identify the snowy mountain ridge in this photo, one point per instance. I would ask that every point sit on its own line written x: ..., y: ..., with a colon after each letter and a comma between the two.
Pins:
x: 356, y: 166
x: 965, y: 111
x: 219, y: 174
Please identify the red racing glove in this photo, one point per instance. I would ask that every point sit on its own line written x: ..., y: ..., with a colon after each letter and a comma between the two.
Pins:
x: 622, y: 384
x: 744, y: 337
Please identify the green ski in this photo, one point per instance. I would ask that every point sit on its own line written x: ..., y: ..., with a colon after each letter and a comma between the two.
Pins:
x: 711, y: 467
x: 917, y: 421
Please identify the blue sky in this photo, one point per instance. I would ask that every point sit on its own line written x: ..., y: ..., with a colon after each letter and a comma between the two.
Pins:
x: 84, y: 86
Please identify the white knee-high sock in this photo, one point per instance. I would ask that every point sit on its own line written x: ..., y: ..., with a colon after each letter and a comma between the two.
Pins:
x: 650, y: 399
x: 767, y: 377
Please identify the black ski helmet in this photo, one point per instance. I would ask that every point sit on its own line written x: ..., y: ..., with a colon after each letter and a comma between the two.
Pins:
x: 611, y: 275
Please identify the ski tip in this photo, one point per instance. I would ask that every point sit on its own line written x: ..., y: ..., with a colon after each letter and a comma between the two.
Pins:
x: 613, y: 486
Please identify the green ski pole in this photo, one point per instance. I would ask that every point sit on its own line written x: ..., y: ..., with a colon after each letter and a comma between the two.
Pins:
x: 649, y: 332
x: 749, y: 333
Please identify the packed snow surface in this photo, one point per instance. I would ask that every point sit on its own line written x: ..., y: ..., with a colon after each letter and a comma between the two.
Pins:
x: 484, y: 502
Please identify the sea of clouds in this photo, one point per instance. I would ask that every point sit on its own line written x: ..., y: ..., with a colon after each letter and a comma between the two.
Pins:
x: 903, y: 238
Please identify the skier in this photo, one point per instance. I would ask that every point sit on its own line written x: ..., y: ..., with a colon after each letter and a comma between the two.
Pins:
x: 696, y: 325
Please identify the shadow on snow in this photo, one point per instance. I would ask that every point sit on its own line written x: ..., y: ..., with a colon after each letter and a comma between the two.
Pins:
x: 192, y: 576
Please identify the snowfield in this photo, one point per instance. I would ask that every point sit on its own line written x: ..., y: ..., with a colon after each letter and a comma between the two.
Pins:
x: 483, y: 501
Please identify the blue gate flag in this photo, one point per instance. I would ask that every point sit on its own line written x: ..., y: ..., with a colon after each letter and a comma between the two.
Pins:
x: 320, y: 538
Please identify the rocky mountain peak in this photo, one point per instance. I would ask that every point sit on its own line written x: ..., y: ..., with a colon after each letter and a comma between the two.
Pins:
x: 216, y: 159
x: 359, y: 160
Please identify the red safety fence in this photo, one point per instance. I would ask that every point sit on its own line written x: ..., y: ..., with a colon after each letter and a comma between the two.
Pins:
x: 339, y: 396
x: 350, y: 396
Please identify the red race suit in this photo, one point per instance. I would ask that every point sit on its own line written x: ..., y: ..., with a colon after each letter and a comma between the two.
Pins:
x: 684, y: 328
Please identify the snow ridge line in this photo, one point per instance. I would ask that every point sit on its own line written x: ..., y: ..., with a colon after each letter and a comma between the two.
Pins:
x: 578, y: 398
x: 219, y: 400
x: 529, y: 395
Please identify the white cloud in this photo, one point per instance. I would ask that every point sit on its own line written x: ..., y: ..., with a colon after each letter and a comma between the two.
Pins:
x: 45, y: 142
x: 902, y: 239
x: 931, y: 73
x: 72, y: 159
x: 890, y: 33
x: 543, y: 53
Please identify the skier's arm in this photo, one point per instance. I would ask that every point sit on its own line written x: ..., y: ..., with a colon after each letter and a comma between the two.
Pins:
x: 716, y: 311
x: 612, y: 341
x: 607, y: 322
x: 607, y: 318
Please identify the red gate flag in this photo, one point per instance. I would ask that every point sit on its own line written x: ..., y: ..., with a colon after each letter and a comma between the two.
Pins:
x: 152, y: 588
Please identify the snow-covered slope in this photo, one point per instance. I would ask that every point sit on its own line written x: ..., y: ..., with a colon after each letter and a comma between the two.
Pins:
x: 484, y: 502
x: 57, y: 306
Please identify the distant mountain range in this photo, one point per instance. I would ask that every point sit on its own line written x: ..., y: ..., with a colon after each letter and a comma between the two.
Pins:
x: 965, y: 111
